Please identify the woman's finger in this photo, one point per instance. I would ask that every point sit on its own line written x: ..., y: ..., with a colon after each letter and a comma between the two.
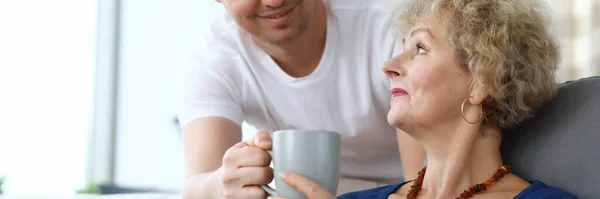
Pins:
x: 306, y: 186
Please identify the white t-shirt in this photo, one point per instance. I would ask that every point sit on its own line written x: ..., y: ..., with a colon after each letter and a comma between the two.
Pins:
x: 231, y: 76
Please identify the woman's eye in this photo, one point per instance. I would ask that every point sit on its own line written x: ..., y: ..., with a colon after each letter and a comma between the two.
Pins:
x: 420, y: 49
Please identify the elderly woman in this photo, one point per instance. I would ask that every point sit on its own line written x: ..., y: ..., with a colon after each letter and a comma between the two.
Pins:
x: 470, y: 68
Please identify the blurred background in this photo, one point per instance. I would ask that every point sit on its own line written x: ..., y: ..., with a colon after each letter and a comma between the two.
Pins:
x: 87, y: 89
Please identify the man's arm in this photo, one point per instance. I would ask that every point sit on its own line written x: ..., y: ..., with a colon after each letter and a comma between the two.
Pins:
x: 412, y: 155
x: 205, y: 143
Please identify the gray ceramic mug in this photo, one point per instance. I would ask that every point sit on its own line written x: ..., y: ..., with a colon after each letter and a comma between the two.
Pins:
x: 315, y: 154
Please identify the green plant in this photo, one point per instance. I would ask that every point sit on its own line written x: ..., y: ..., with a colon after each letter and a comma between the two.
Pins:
x: 90, y: 188
x: 2, y: 178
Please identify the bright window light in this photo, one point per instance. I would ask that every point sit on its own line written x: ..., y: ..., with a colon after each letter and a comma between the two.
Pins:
x: 46, y: 86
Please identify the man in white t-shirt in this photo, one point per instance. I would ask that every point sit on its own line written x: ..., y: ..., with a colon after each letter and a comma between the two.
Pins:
x: 291, y: 64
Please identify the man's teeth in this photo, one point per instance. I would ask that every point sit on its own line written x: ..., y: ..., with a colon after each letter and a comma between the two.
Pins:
x: 277, y: 16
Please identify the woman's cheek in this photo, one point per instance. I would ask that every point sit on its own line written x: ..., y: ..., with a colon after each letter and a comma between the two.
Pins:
x: 424, y: 78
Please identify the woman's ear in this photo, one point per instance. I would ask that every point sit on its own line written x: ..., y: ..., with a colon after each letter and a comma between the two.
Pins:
x: 479, y: 93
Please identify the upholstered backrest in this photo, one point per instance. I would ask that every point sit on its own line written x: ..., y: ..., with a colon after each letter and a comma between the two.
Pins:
x: 560, y: 145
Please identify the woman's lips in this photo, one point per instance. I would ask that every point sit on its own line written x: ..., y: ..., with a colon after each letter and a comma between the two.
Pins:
x: 398, y: 92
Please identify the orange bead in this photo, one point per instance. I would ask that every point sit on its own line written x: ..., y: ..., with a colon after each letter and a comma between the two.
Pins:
x: 469, y: 192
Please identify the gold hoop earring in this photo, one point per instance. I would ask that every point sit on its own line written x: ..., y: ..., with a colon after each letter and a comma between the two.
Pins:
x: 462, y: 112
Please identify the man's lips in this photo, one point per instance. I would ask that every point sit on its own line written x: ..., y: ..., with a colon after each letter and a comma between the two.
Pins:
x: 278, y: 13
x: 398, y: 92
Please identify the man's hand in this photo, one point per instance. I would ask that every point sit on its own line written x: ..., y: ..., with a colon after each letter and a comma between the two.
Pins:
x: 246, y: 167
x: 311, y: 189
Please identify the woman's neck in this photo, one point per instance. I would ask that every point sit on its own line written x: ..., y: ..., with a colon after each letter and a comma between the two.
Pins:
x: 469, y: 157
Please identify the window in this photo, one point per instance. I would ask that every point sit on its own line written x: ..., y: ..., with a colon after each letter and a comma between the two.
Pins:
x: 46, y: 81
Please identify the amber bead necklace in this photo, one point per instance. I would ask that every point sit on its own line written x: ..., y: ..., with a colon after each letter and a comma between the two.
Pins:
x: 468, y: 193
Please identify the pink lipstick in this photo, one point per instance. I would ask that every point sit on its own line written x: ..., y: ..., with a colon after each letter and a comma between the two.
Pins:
x: 398, y: 92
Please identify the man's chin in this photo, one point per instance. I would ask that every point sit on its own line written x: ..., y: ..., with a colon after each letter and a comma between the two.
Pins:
x: 282, y: 34
x: 280, y: 38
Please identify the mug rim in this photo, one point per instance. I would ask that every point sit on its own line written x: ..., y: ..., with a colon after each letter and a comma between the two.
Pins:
x: 304, y: 131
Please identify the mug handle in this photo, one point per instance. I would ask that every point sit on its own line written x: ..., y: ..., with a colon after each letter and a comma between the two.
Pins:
x: 266, y: 187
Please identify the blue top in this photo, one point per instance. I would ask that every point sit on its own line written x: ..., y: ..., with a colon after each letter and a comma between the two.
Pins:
x: 537, y: 190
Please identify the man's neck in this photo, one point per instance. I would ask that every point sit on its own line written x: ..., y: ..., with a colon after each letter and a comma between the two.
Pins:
x: 469, y: 157
x: 301, y: 56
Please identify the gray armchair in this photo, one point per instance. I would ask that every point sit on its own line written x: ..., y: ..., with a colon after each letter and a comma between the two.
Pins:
x: 560, y: 145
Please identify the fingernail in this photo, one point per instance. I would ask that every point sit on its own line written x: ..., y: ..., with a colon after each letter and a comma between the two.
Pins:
x: 283, y: 175
x: 265, y: 142
x: 270, y: 197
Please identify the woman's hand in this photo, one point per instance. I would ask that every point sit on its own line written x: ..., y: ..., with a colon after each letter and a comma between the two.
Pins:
x: 306, y: 186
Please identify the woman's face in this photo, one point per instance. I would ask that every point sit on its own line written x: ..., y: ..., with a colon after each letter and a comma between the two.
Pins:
x: 428, y: 82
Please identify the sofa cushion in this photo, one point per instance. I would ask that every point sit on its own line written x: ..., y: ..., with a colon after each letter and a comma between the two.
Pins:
x: 560, y: 144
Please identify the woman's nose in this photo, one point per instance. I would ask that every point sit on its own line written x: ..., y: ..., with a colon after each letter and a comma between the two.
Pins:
x: 393, y: 67
x: 272, y: 3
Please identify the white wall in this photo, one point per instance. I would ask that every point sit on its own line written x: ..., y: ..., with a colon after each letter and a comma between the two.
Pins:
x: 156, y: 35
x: 576, y: 27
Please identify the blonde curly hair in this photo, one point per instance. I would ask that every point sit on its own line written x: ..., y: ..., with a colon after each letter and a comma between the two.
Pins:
x: 504, y: 44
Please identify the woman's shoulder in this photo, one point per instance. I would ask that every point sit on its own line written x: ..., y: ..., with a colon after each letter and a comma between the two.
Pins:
x: 374, y: 193
x: 540, y: 190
